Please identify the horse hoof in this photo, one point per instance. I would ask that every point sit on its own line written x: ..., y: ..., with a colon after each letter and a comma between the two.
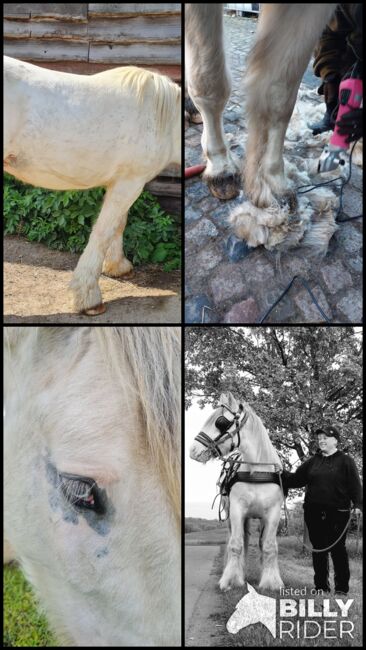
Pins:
x: 95, y: 311
x: 224, y: 186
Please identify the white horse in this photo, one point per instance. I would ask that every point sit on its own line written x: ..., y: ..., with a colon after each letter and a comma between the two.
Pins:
x: 286, y: 36
x: 116, y: 129
x: 245, y: 431
x: 92, y: 479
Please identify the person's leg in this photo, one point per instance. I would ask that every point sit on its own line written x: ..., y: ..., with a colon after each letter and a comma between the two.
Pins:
x: 315, y: 521
x: 339, y: 552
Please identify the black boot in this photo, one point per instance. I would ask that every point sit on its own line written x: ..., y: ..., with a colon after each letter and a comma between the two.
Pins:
x: 328, y: 121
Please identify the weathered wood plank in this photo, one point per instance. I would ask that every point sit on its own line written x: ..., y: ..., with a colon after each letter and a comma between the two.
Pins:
x: 16, y: 29
x: 140, y: 28
x: 135, y: 53
x: 16, y: 10
x: 44, y: 29
x: 165, y: 187
x: 161, y: 29
x: 39, y: 50
x: 138, y: 8
x: 59, y: 10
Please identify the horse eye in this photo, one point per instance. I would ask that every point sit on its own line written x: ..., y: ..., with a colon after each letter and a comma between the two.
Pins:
x: 81, y: 492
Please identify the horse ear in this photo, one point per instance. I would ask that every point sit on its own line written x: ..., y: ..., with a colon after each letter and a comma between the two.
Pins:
x: 227, y: 399
x: 251, y: 589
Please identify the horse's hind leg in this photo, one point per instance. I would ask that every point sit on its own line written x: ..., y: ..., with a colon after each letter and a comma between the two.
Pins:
x: 110, y: 223
x: 209, y: 88
x: 116, y: 263
x: 275, y: 69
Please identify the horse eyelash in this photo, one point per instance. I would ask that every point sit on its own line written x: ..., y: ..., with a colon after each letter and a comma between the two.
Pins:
x: 76, y: 490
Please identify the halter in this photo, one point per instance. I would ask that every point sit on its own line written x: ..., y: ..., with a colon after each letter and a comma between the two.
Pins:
x: 223, y: 424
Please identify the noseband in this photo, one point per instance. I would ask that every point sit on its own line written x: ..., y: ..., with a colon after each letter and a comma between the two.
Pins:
x: 223, y: 424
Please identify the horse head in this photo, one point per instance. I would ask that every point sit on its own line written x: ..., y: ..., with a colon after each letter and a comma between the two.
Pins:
x: 221, y: 432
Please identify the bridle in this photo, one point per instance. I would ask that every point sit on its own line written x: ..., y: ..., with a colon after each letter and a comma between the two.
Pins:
x: 223, y: 424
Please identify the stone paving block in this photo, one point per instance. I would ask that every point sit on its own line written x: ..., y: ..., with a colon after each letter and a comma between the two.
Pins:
x: 193, y: 310
x: 201, y: 233
x: 349, y: 237
x: 235, y: 249
x: 350, y: 306
x: 352, y: 202
x: 195, y: 190
x: 243, y: 312
x: 336, y: 277
x: 354, y: 263
x: 192, y: 214
x: 206, y: 260
x: 258, y: 272
x: 227, y: 284
x: 308, y: 310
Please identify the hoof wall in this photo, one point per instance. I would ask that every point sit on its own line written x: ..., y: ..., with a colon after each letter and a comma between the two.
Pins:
x: 224, y: 187
x: 95, y: 311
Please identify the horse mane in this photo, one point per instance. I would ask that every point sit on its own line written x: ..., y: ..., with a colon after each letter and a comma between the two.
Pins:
x: 166, y: 92
x: 153, y: 355
x: 264, y: 449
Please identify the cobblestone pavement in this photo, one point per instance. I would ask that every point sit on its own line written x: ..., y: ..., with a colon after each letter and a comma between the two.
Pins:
x: 239, y: 284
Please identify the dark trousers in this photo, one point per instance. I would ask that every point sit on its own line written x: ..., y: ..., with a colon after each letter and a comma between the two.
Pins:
x: 325, y: 526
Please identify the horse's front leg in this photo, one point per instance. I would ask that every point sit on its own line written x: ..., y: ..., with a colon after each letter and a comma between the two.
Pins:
x: 275, y: 69
x: 209, y: 87
x: 233, y: 575
x: 111, y: 221
x: 271, y: 578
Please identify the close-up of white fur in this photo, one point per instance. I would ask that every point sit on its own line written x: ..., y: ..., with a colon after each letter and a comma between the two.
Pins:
x: 102, y: 403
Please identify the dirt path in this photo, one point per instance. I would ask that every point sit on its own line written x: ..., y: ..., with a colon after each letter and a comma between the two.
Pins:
x: 36, y: 280
x: 205, y: 624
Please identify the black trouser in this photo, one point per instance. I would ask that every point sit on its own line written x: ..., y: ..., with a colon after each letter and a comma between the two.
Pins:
x: 325, y: 526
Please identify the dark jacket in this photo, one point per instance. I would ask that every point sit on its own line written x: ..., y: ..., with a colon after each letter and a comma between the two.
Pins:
x: 340, y: 44
x: 331, y: 481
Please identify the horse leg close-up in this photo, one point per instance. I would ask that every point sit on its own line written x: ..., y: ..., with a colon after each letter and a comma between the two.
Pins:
x: 209, y: 87
x: 111, y: 220
x: 233, y: 575
x: 115, y: 262
x: 276, y: 66
x: 271, y: 578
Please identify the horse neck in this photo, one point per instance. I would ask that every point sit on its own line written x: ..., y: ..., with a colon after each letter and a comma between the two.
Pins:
x: 256, y: 448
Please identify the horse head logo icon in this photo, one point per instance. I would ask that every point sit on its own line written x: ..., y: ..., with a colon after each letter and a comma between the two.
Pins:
x: 253, y: 608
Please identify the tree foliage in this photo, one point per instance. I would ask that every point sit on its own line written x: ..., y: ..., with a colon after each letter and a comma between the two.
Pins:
x: 296, y: 378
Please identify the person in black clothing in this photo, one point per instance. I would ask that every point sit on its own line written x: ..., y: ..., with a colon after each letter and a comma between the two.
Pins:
x: 332, y: 483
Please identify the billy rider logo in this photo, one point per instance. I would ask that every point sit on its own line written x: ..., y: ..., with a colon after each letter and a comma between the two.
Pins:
x: 293, y: 616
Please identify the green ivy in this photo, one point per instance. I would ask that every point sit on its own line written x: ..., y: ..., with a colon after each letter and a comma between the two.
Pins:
x: 63, y: 221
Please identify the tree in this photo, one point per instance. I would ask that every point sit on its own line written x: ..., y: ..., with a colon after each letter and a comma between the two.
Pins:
x: 296, y: 379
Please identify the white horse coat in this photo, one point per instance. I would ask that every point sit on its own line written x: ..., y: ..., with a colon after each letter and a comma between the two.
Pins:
x: 102, y: 403
x: 116, y: 129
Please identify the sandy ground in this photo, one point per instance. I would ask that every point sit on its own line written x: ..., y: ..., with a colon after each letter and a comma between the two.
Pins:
x: 36, y: 282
